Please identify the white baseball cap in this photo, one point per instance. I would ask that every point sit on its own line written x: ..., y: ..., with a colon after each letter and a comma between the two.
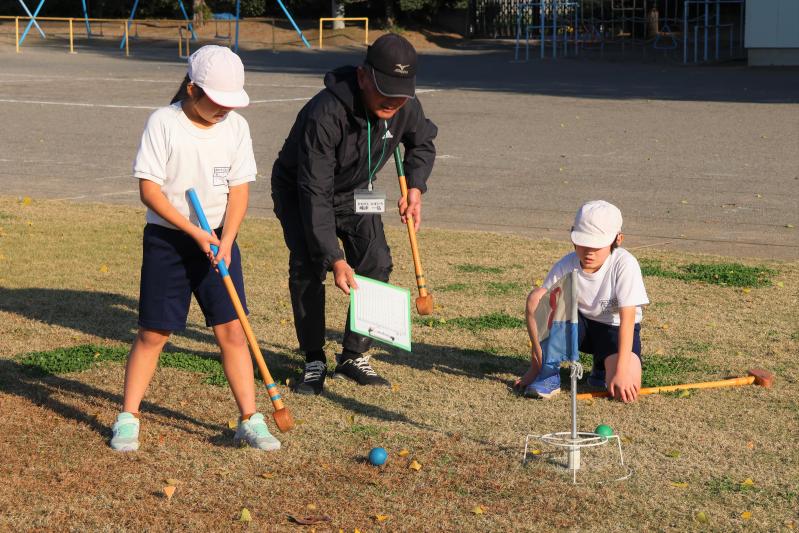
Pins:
x: 220, y: 73
x: 596, y: 224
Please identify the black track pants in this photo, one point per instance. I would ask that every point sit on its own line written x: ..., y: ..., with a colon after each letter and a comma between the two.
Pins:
x: 366, y: 251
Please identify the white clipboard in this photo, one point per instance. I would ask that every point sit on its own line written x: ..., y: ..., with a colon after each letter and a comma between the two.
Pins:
x: 382, y: 312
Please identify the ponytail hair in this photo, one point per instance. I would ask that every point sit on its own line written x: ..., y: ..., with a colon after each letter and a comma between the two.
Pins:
x: 183, y: 91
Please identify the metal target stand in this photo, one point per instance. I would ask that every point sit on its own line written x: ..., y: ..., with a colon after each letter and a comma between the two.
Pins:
x: 573, y: 442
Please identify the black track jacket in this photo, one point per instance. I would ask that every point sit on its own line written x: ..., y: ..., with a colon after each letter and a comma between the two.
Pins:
x: 324, y: 159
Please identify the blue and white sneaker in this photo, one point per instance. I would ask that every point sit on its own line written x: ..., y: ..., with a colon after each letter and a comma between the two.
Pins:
x: 545, y: 386
x: 126, y: 433
x: 597, y: 378
x: 254, y: 433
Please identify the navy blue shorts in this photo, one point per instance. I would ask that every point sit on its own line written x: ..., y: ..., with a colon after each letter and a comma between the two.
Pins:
x: 602, y: 340
x: 173, y: 267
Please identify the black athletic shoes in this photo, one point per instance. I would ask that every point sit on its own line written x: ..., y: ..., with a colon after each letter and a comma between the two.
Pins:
x: 359, y: 370
x: 313, y: 378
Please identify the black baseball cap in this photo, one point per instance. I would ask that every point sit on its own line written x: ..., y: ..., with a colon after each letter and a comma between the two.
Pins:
x: 393, y: 64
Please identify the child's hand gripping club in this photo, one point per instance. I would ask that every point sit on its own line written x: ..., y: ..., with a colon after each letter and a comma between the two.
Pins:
x: 283, y: 417
x: 424, y: 303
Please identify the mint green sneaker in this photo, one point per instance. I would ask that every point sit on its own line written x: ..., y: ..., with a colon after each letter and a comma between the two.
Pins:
x: 253, y: 432
x: 126, y: 433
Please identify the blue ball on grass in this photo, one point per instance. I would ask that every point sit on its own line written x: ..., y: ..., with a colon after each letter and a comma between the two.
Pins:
x: 378, y: 456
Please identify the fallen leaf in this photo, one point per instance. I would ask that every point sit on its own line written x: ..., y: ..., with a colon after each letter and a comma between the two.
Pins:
x: 351, y: 420
x: 539, y: 282
x: 789, y: 226
x: 232, y: 424
x: 747, y: 290
x: 308, y: 520
x: 679, y: 484
x: 478, y: 509
x: 394, y: 388
x: 403, y: 452
x: 381, y: 517
x: 245, y: 515
x: 747, y: 482
x: 780, y: 284
x: 27, y: 200
x: 169, y: 491
x: 267, y: 475
x: 750, y: 445
x: 664, y: 326
x: 746, y: 515
x: 104, y: 268
x: 701, y: 517
x: 172, y: 481
x: 683, y: 201
x: 684, y: 393
x: 673, y: 454
x: 311, y: 507
x: 415, y: 465
x: 536, y: 452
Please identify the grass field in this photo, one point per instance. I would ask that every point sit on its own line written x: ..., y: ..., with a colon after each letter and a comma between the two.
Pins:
x: 717, y: 460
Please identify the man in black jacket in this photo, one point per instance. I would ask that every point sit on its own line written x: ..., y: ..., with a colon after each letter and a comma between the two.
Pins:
x: 341, y: 138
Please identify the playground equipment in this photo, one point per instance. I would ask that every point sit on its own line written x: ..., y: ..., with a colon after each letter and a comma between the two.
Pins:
x: 344, y: 19
x: 688, y: 30
x: 553, y: 20
x: 124, y: 42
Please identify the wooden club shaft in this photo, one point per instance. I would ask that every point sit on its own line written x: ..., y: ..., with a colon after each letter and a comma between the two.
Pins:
x: 733, y: 382
x: 421, y: 283
x: 271, y: 388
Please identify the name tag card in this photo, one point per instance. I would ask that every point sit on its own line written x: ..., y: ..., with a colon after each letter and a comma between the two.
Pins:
x: 368, y: 202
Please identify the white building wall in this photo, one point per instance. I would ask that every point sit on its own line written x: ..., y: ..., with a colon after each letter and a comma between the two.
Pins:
x: 772, y: 32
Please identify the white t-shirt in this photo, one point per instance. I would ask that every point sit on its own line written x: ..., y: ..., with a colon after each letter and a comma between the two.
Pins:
x: 618, y: 283
x: 177, y: 155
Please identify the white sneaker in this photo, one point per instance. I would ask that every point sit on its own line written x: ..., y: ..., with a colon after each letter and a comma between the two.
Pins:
x: 254, y: 433
x: 126, y: 433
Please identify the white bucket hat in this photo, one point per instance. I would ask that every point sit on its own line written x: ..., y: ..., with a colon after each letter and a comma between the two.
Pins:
x: 596, y: 224
x: 220, y: 73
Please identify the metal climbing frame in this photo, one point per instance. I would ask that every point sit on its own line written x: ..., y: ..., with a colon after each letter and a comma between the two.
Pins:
x: 553, y: 21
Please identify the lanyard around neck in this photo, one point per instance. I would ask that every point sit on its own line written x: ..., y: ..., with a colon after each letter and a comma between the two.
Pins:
x: 369, y: 147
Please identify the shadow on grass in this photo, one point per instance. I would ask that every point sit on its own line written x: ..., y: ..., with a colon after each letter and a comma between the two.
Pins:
x: 40, y: 388
x: 103, y: 314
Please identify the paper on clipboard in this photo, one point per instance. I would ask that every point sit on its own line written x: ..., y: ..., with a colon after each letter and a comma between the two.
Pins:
x: 382, y: 312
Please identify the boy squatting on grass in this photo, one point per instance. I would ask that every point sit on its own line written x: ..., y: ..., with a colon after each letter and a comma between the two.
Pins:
x: 609, y: 299
x: 198, y: 142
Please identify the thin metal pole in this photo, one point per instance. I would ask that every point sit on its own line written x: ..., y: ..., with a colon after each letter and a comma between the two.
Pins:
x: 718, y: 21
x: 86, y: 20
x: 16, y: 32
x: 71, y: 40
x: 707, y: 17
x: 685, y: 34
x: 127, y: 40
x: 238, y: 13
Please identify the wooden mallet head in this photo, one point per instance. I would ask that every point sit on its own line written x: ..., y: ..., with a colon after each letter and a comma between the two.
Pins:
x: 424, y: 304
x: 284, y: 420
x: 764, y: 378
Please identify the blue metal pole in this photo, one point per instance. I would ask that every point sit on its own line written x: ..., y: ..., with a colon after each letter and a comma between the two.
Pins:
x: 186, y: 16
x: 286, y: 11
x: 32, y: 21
x: 32, y: 18
x: 130, y: 19
x: 86, y: 19
x: 238, y: 13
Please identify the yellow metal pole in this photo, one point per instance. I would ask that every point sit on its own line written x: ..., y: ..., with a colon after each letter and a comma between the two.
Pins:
x: 16, y: 24
x: 71, y: 39
x: 366, y: 36
x: 127, y: 48
x: 320, y: 34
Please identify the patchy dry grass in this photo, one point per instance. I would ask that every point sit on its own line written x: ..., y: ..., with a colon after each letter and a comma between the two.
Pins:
x: 69, y: 279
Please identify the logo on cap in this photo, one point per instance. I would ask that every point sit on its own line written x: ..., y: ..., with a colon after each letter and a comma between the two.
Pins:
x: 402, y: 69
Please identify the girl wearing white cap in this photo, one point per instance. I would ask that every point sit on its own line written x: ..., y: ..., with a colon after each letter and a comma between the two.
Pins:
x: 196, y: 142
x: 610, y: 296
